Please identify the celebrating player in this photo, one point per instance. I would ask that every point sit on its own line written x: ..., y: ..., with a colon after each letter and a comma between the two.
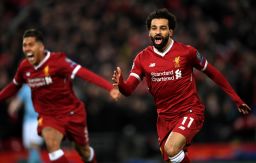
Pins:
x: 61, y: 113
x: 167, y: 67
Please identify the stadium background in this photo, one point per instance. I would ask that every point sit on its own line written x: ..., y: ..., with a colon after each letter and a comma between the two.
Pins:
x: 102, y: 34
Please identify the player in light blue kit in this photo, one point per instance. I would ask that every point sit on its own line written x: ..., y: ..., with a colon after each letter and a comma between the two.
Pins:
x: 31, y: 140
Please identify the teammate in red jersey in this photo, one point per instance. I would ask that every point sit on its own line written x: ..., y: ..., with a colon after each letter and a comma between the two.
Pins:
x: 167, y: 67
x: 61, y: 113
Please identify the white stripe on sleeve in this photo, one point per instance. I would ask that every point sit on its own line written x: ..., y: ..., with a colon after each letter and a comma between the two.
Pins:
x: 75, y: 71
x: 205, y: 66
x: 15, y: 82
x: 136, y: 76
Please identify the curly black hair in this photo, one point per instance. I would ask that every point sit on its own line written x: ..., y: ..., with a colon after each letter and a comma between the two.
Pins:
x: 162, y: 13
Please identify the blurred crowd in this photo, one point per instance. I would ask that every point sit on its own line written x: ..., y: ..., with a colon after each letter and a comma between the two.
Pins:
x: 102, y: 34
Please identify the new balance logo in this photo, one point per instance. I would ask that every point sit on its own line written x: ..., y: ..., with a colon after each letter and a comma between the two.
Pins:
x: 27, y: 73
x: 152, y: 65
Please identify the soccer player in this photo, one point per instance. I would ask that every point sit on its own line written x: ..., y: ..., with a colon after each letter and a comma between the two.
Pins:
x: 31, y: 140
x: 60, y: 112
x: 167, y: 67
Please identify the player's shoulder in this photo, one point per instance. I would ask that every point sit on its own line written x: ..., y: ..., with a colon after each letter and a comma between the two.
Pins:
x: 24, y: 64
x: 184, y: 47
x: 58, y: 55
x: 146, y: 51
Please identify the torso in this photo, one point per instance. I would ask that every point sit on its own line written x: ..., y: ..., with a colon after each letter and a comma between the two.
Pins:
x: 50, y: 84
x: 170, y: 79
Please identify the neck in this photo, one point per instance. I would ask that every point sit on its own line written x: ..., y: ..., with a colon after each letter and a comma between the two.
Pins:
x: 40, y: 58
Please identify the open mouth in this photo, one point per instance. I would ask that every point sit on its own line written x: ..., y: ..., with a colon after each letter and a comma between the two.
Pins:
x: 158, y: 40
x: 30, y: 56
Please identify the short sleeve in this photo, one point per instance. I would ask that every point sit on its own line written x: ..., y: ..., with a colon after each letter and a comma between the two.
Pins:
x: 198, y: 60
x: 68, y: 66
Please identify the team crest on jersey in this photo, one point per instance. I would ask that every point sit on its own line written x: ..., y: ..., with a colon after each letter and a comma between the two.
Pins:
x: 47, y: 78
x: 46, y: 71
x: 177, y: 62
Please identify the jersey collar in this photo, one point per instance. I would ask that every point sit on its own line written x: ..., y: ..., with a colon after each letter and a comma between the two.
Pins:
x: 44, y: 60
x: 166, y: 50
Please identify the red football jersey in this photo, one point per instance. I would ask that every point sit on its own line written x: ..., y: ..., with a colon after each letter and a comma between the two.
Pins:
x: 50, y: 83
x: 170, y: 78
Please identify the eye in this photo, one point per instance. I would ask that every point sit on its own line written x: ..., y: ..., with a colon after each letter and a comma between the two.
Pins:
x: 163, y: 28
x: 153, y: 27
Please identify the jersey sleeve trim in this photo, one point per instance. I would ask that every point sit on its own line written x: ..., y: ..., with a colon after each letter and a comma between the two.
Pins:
x: 136, y: 76
x: 44, y: 60
x: 15, y: 82
x: 75, y: 71
x: 205, y: 66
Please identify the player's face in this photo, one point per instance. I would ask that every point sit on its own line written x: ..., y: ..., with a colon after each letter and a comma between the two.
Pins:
x: 33, y: 50
x: 160, y: 33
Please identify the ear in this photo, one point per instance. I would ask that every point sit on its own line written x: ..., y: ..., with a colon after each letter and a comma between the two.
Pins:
x: 149, y: 33
x: 171, y: 32
x: 42, y: 47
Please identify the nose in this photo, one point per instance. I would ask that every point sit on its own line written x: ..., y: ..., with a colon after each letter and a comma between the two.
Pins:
x: 157, y: 31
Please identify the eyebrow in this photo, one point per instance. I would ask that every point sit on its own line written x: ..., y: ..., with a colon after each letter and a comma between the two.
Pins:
x: 159, y: 26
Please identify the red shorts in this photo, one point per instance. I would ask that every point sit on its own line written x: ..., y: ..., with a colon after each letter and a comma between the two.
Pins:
x: 73, y: 126
x: 188, y: 125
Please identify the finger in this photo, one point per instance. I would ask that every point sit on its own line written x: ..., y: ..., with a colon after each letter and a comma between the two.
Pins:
x: 246, y: 106
x: 245, y: 111
x: 115, y: 84
x: 118, y: 69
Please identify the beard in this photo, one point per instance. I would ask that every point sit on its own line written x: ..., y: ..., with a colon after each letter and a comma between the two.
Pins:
x: 160, y: 42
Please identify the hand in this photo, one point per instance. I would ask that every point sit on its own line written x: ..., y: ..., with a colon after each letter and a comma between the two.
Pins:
x: 114, y: 93
x: 244, y: 108
x: 12, y: 111
x: 14, y: 107
x: 116, y: 76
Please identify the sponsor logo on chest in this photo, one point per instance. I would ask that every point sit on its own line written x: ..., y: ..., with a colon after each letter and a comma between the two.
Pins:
x: 167, y: 75
x: 40, y: 81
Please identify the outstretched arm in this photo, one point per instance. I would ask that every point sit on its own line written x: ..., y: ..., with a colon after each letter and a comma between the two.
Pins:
x: 10, y: 90
x: 91, y: 77
x: 125, y: 87
x: 219, y: 79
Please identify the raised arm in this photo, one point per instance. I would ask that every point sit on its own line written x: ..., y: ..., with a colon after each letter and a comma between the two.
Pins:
x: 91, y: 77
x: 219, y: 79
